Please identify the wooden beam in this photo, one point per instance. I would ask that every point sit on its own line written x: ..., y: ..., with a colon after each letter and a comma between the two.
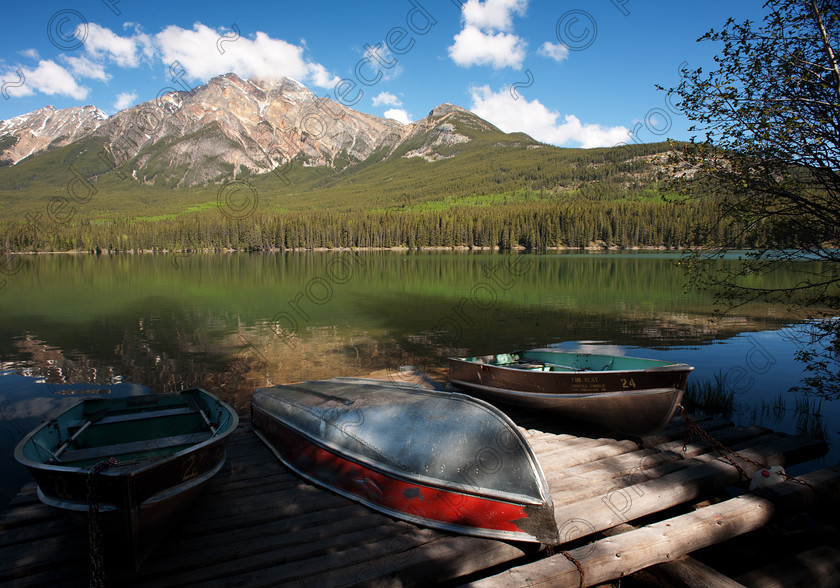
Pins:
x: 670, y: 450
x: 668, y: 540
x: 575, y: 484
x: 259, y: 524
x: 685, y: 571
x: 621, y: 504
x: 690, y: 573
x: 646, y: 469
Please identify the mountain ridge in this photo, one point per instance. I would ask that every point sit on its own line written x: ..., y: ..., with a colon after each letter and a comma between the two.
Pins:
x: 34, y: 132
x: 242, y: 147
x: 230, y: 128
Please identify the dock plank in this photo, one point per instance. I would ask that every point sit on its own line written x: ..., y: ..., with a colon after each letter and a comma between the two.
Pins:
x: 436, y: 561
x: 258, y: 524
x: 646, y: 468
x: 290, y: 560
x: 664, y: 541
x: 621, y: 504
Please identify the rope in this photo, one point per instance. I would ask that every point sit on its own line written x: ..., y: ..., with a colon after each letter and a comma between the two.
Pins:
x: 692, y: 428
x: 97, y: 571
x: 571, y: 558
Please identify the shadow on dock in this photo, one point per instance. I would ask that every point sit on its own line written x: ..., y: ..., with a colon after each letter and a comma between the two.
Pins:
x: 257, y: 524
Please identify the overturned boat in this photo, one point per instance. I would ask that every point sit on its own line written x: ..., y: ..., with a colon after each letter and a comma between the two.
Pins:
x: 440, y: 459
x: 135, y: 462
x: 627, y: 394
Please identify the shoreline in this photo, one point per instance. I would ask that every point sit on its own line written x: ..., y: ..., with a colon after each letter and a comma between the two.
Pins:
x: 458, y: 248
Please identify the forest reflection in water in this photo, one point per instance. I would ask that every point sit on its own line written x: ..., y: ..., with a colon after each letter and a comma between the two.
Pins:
x: 231, y: 322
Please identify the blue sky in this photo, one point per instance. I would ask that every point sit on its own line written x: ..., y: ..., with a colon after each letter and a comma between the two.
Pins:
x: 567, y: 72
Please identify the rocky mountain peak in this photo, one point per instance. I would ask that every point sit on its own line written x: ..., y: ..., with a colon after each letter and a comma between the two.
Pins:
x: 444, y: 109
x: 230, y: 127
x: 46, y: 128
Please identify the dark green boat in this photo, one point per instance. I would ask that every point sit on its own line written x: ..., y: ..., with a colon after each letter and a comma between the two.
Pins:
x: 139, y: 460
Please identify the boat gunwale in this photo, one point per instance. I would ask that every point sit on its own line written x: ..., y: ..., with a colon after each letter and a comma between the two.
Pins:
x: 124, y: 472
x: 567, y: 395
x: 408, y: 476
x: 680, y: 367
x: 559, y: 351
x: 668, y: 367
x: 439, y: 524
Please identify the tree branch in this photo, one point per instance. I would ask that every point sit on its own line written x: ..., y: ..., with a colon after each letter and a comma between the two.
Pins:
x: 832, y: 57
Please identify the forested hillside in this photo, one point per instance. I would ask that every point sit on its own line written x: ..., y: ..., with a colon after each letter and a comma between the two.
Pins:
x: 503, y: 191
x: 536, y: 225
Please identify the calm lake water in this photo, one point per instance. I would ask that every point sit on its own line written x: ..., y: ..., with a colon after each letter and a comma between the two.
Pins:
x: 230, y: 322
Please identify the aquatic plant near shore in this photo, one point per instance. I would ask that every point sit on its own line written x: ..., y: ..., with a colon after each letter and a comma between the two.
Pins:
x: 710, y: 397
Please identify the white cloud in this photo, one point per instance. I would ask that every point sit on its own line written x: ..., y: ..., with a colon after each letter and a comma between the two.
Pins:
x: 48, y: 78
x: 104, y: 44
x: 14, y: 85
x: 556, y: 51
x: 85, y: 68
x: 493, y: 14
x: 474, y: 47
x: 387, y: 99
x: 202, y: 55
x: 101, y: 46
x: 399, y: 115
x: 541, y: 123
x: 487, y: 37
x: 319, y: 76
x: 202, y: 52
x: 124, y: 100
x: 145, y: 43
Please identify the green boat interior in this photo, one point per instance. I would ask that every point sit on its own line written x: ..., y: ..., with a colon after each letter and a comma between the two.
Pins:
x: 130, y: 429
x: 558, y: 361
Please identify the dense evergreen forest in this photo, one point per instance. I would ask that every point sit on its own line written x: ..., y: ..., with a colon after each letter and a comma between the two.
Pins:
x: 533, y: 225
x: 505, y: 196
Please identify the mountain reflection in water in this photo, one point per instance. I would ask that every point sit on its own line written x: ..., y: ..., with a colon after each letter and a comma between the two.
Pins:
x: 231, y: 322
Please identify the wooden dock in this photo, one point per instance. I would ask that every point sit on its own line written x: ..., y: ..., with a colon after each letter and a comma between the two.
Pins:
x: 257, y: 524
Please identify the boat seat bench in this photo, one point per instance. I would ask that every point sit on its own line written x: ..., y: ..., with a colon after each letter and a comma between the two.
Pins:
x: 149, y: 414
x: 538, y: 366
x: 106, y: 451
